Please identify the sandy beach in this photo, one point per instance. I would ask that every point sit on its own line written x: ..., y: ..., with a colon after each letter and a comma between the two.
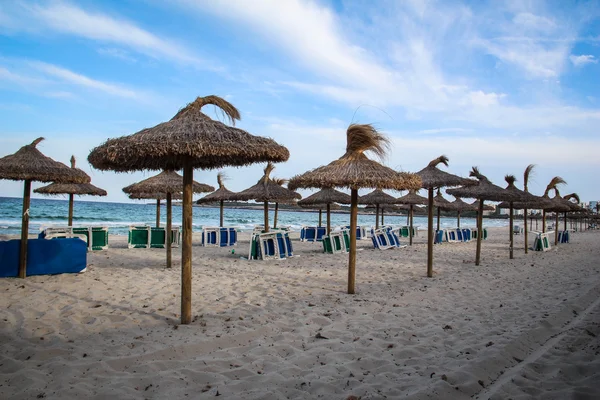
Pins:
x: 522, y: 328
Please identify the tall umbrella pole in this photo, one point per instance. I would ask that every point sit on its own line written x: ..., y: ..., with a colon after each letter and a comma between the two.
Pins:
x: 556, y: 228
x: 169, y: 229
x: 158, y: 213
x: 525, y: 229
x: 376, y: 216
x: 266, y: 212
x: 430, y: 234
x: 275, y: 216
x: 479, y: 232
x: 543, y: 221
x: 320, y: 216
x: 511, y: 234
x: 382, y: 209
x: 352, y: 253
x: 186, y: 246
x: 70, y: 221
x: 328, y: 218
x: 458, y: 219
x: 410, y: 228
x: 24, y: 229
x: 439, y: 211
x: 221, y: 213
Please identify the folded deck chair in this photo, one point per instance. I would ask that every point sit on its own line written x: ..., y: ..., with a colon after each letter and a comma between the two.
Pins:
x: 96, y: 237
x: 517, y: 230
x: 542, y: 241
x: 466, y: 234
x: 385, y: 238
x: 450, y: 235
x: 336, y: 242
x: 44, y: 257
x: 459, y: 235
x: 361, y: 231
x: 270, y: 246
x: 439, y: 236
x: 564, y: 237
x: 475, y: 233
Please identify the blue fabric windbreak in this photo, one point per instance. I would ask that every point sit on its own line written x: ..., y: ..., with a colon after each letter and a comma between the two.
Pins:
x: 44, y: 257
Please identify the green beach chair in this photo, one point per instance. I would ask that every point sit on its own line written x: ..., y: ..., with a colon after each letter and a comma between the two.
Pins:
x: 139, y: 237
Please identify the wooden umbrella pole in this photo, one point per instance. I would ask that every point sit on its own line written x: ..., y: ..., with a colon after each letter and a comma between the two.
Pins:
x: 410, y: 227
x: 266, y: 212
x: 382, y: 210
x: 376, y: 216
x: 320, y: 217
x: 328, y: 218
x: 479, y: 232
x: 565, y: 222
x: 543, y: 221
x: 275, y: 216
x: 168, y: 238
x: 525, y: 229
x: 511, y: 234
x: 458, y: 219
x: 439, y: 211
x: 24, y: 229
x: 556, y: 228
x: 186, y: 246
x: 352, y: 253
x: 430, y: 234
x: 221, y: 213
x: 158, y: 213
x: 70, y: 222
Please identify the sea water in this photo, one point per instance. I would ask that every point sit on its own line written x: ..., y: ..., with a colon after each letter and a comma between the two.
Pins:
x: 119, y: 216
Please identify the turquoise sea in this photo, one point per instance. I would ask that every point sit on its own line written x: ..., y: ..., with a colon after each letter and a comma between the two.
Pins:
x: 119, y: 216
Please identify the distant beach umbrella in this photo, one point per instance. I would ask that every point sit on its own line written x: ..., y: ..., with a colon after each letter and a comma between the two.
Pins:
x: 71, y: 189
x: 326, y: 196
x: 483, y: 190
x: 557, y: 205
x: 549, y: 204
x: 189, y: 140
x: 354, y: 171
x: 441, y: 204
x: 267, y: 190
x: 167, y: 182
x: 377, y: 198
x: 221, y: 195
x: 29, y: 164
x: 411, y: 199
x: 575, y: 208
x: 459, y: 206
x: 434, y: 178
x: 320, y: 208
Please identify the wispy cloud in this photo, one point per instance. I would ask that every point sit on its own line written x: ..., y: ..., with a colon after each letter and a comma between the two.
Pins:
x: 117, y: 53
x: 584, y: 59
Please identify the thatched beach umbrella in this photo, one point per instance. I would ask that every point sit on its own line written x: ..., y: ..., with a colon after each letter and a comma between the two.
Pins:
x: 167, y: 182
x: 483, y: 190
x: 320, y: 208
x: 281, y: 182
x: 574, y: 207
x: 433, y: 178
x: 548, y: 203
x: 377, y: 198
x: 354, y: 171
x: 29, y: 164
x: 189, y: 140
x: 326, y: 196
x: 71, y: 189
x: 459, y: 206
x: 411, y: 199
x: 441, y: 204
x: 221, y: 195
x: 521, y: 196
x: 266, y: 190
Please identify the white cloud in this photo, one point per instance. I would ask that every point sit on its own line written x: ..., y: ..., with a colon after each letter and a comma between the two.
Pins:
x: 82, y: 80
x: 117, y: 53
x: 584, y: 59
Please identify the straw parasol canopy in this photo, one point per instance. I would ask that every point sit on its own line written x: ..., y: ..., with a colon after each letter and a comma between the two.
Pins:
x: 377, y: 198
x: 327, y: 197
x: 71, y: 189
x: 155, y: 196
x: 354, y: 171
x: 29, y: 164
x: 486, y: 207
x: 220, y: 195
x: 411, y: 199
x: 168, y: 182
x: 459, y: 206
x: 266, y: 190
x: 189, y: 140
x: 432, y: 178
x: 549, y: 204
x: 483, y: 190
x: 441, y: 204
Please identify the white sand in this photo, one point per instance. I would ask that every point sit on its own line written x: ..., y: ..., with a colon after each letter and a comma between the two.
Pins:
x: 522, y: 328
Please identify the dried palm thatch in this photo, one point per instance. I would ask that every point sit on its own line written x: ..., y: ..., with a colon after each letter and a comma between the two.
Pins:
x: 411, y: 199
x: 29, y: 164
x: 189, y: 140
x: 165, y: 182
x: 549, y: 205
x: 441, y: 204
x: 483, y: 190
x: 155, y: 196
x: 71, y: 189
x: 378, y: 198
x: 267, y: 190
x: 486, y: 207
x: 459, y: 206
x: 432, y: 178
x: 354, y: 170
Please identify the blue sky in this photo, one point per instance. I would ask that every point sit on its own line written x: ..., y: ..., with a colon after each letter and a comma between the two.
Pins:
x: 499, y: 84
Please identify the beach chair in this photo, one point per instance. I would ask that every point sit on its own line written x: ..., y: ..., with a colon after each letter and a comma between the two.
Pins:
x: 542, y: 241
x: 44, y: 257
x: 138, y: 237
x: 564, y: 237
x: 439, y: 236
x: 517, y: 230
x: 361, y: 232
x: 459, y: 235
x: 312, y: 233
x: 385, y: 238
x: 450, y: 235
x: 270, y: 246
x: 475, y: 233
x: 96, y: 237
x: 466, y: 234
x: 405, y: 231
x: 210, y: 236
x: 336, y: 242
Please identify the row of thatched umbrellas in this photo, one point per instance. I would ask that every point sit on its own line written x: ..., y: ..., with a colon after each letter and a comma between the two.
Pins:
x: 191, y: 140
